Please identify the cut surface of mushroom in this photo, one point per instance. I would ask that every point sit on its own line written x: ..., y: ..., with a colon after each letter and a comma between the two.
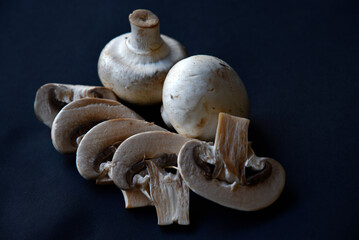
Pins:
x: 78, y: 117
x: 147, y: 155
x: 169, y: 194
x: 134, y: 65
x: 229, y: 173
x: 196, y: 89
x: 52, y: 97
x: 97, y: 147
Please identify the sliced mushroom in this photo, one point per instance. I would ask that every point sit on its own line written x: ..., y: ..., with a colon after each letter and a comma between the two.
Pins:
x: 97, y: 147
x: 52, y: 97
x: 132, y: 170
x: 169, y: 194
x: 78, y: 117
x: 134, y: 65
x: 229, y: 173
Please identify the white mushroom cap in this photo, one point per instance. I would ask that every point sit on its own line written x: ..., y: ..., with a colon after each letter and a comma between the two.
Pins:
x: 78, y: 117
x: 196, y: 89
x: 134, y: 65
x: 52, y: 97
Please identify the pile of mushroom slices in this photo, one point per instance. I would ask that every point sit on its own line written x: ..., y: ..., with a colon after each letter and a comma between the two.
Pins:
x: 113, y: 144
x: 203, y: 99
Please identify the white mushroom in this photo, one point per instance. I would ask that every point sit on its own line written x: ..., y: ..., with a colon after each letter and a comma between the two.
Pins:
x: 229, y: 173
x: 196, y: 89
x: 52, y: 97
x: 134, y: 65
x: 78, y: 117
x: 140, y: 163
x: 96, y: 149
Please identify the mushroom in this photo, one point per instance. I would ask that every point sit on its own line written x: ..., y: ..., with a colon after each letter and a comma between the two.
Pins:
x: 196, y: 89
x: 134, y: 65
x: 145, y: 162
x: 78, y: 117
x: 96, y: 149
x: 229, y: 172
x: 52, y: 97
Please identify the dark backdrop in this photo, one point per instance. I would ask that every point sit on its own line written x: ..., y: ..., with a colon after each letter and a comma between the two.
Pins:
x: 298, y: 59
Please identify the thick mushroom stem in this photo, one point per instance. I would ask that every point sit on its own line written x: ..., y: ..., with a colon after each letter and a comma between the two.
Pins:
x: 169, y: 194
x: 145, y: 32
x: 231, y: 146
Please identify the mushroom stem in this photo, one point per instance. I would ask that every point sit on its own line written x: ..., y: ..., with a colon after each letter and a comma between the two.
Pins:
x: 169, y: 194
x: 135, y: 198
x: 231, y: 146
x: 145, y: 32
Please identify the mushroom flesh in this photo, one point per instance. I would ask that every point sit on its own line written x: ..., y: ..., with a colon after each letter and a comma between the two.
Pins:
x: 196, y: 89
x: 97, y: 147
x: 78, y: 117
x: 52, y: 97
x: 229, y: 172
x: 134, y: 65
x: 144, y: 162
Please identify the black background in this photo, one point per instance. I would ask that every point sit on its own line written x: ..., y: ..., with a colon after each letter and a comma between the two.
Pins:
x: 299, y: 61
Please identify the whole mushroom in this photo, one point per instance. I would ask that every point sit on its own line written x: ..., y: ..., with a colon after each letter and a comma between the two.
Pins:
x: 196, y: 89
x: 134, y: 65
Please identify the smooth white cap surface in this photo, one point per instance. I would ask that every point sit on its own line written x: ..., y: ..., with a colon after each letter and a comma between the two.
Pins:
x: 196, y: 89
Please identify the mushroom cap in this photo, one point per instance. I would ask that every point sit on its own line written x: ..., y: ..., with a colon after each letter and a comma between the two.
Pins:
x: 232, y: 195
x: 196, y: 89
x: 136, y: 76
x: 103, y: 136
x: 142, y: 145
x: 78, y: 117
x: 51, y: 97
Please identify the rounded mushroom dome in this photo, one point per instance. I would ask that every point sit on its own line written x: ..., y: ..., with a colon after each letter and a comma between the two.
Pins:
x: 196, y: 89
x: 134, y: 65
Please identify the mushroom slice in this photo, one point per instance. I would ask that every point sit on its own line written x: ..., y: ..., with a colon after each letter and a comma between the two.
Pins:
x: 132, y: 168
x: 52, y: 97
x: 78, y: 117
x: 96, y: 149
x: 229, y: 173
x: 100, y: 143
